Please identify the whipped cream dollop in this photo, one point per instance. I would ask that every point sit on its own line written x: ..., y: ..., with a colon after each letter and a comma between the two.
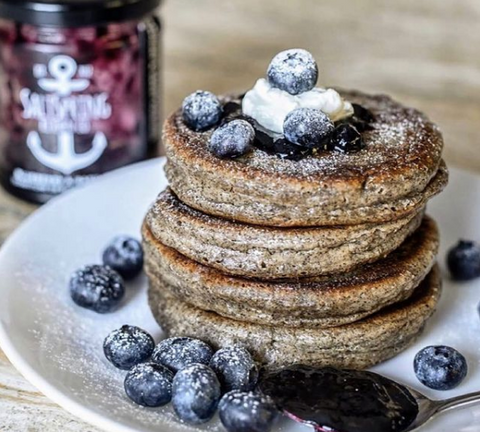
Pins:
x: 269, y: 106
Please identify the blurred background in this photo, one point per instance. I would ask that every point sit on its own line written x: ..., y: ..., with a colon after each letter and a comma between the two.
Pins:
x: 425, y: 53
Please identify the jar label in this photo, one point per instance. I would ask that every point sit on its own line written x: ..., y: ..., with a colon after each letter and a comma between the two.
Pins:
x: 76, y: 103
x: 61, y: 112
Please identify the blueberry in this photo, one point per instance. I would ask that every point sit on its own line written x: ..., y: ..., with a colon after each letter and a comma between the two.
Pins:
x: 346, y: 139
x: 149, y: 384
x: 201, y: 110
x: 196, y: 392
x: 128, y: 346
x: 235, y: 368
x: 98, y: 288
x: 180, y: 352
x: 294, y: 71
x: 247, y: 412
x: 125, y: 255
x: 232, y: 140
x: 440, y: 367
x: 307, y: 127
x: 464, y: 260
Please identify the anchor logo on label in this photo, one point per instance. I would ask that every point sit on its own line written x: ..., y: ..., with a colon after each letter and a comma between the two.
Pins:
x: 62, y: 69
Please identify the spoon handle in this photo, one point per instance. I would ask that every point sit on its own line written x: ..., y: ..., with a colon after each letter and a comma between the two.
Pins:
x: 458, y: 402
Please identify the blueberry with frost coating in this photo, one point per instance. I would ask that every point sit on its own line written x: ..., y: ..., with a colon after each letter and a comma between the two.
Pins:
x: 294, y: 71
x: 98, y: 288
x: 128, y: 346
x: 149, y: 385
x: 308, y: 127
x: 179, y: 352
x: 440, y: 367
x: 201, y: 110
x: 125, y: 255
x: 235, y: 368
x: 196, y: 393
x: 232, y: 139
x: 242, y: 412
x: 463, y: 260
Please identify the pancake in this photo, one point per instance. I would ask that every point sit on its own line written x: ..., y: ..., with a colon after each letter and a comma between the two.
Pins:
x: 310, y: 302
x: 269, y: 252
x: 393, y: 176
x: 354, y: 346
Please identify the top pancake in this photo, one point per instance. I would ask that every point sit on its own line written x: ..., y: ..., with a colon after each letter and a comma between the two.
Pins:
x: 396, y: 172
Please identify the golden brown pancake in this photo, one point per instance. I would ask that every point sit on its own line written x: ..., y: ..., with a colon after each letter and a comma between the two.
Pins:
x: 354, y: 346
x: 309, y: 302
x: 399, y: 169
x: 270, y: 252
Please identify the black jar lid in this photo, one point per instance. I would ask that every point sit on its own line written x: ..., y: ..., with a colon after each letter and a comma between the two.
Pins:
x: 75, y: 13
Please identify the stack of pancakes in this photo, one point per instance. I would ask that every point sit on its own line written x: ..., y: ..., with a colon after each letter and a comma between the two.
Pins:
x: 326, y: 260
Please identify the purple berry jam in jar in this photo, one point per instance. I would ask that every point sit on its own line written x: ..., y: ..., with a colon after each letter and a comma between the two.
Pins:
x: 79, y: 91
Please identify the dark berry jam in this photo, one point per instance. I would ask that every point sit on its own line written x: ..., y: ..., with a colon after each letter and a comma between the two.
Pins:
x: 346, y: 137
x: 344, y: 401
x: 75, y: 101
x: 362, y: 118
x: 277, y: 144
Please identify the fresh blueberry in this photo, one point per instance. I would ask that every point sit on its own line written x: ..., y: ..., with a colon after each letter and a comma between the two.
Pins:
x: 196, y: 392
x: 98, y: 288
x: 149, y: 384
x: 307, y: 127
x: 232, y: 140
x: 235, y: 368
x: 201, y: 110
x: 125, y: 255
x: 128, y: 346
x: 346, y: 139
x: 294, y: 71
x: 247, y: 412
x: 180, y: 352
x: 440, y: 367
x: 464, y: 261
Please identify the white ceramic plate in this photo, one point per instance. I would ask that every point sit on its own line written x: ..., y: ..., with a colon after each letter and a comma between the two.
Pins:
x: 58, y: 346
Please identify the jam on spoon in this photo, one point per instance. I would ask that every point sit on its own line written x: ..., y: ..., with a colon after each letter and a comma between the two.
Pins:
x: 343, y: 401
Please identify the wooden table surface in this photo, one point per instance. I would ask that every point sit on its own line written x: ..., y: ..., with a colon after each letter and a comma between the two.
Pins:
x: 425, y: 53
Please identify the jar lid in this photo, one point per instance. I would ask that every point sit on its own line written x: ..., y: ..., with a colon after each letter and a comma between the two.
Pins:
x: 75, y: 13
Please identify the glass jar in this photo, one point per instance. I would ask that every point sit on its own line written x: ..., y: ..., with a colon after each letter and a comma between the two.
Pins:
x: 79, y: 91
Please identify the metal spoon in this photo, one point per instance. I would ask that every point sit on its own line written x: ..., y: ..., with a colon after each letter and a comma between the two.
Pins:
x: 428, y: 409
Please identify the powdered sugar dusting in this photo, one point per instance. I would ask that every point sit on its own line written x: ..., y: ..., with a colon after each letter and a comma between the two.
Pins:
x: 91, y: 379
